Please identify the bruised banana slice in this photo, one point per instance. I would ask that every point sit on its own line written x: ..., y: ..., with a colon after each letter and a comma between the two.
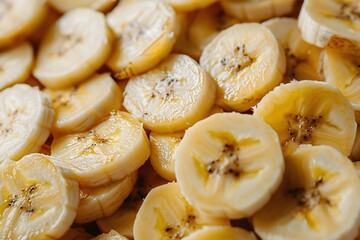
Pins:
x: 67, y: 5
x: 318, y: 199
x: 221, y: 232
x: 225, y: 157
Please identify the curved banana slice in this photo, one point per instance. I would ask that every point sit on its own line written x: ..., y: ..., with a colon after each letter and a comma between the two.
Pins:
x: 355, y: 151
x: 73, y: 48
x: 80, y: 107
x: 76, y: 234
x: 246, y: 61
x: 167, y: 215
x: 190, y: 5
x: 26, y: 117
x: 221, y: 232
x: 255, y: 10
x: 147, y: 32
x: 19, y: 18
x: 36, y: 204
x: 319, y: 198
x: 112, y: 235
x: 174, y: 95
x: 108, y: 152
x: 103, y: 201
x: 331, y: 23
x: 67, y: 5
x: 301, y: 117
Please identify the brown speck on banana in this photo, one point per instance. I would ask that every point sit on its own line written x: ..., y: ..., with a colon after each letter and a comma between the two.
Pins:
x: 69, y: 43
x: 64, y: 99
x: 238, y: 61
x: 164, y: 88
x: 181, y: 230
x: 349, y: 12
x: 23, y: 200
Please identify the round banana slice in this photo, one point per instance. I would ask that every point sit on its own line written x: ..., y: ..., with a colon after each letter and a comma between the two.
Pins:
x: 309, y: 112
x: 190, y: 5
x: 80, y: 107
x: 355, y: 151
x: 19, y: 18
x: 147, y: 32
x: 318, y: 199
x: 73, y: 48
x: 167, y: 215
x: 67, y: 5
x: 108, y: 152
x: 38, y: 199
x: 225, y: 157
x: 26, y: 117
x: 112, y: 235
x: 247, y: 62
x: 257, y: 10
x: 174, y: 95
x: 331, y: 23
x: 221, y: 232
x: 15, y: 64
x: 103, y: 201
x: 76, y: 234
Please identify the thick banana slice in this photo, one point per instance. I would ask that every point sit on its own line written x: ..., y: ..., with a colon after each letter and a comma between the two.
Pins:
x: 103, y: 201
x: 318, y: 199
x: 343, y: 72
x: 309, y: 112
x: 15, y: 64
x: 76, y: 234
x: 112, y: 235
x: 80, y: 107
x: 67, y: 5
x: 167, y: 215
x: 147, y: 32
x: 225, y: 157
x: 257, y: 10
x: 355, y: 151
x: 174, y: 95
x: 190, y: 5
x: 221, y: 232
x: 246, y: 61
x: 38, y: 199
x: 19, y: 18
x: 108, y: 152
x: 331, y: 23
x: 73, y: 48
x: 26, y: 117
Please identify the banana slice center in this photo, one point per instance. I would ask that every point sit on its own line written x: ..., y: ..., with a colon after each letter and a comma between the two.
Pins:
x: 23, y: 200
x: 69, y: 42
x: 6, y: 126
x: 64, y: 99
x: 164, y: 89
x: 238, y: 60
x: 90, y: 141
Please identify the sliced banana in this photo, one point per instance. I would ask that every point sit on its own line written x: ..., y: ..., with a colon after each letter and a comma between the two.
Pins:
x: 108, y: 152
x: 112, y: 235
x: 309, y: 112
x: 174, y: 95
x: 318, y: 199
x: 221, y: 232
x: 355, y: 151
x: 331, y: 23
x: 76, y: 234
x: 103, y: 201
x: 15, y: 64
x: 38, y: 197
x: 80, y: 107
x: 76, y: 46
x: 167, y: 215
x: 357, y: 167
x: 67, y: 5
x: 147, y: 32
x: 26, y: 117
x: 190, y: 5
x: 19, y: 18
x: 257, y: 10
x: 246, y: 61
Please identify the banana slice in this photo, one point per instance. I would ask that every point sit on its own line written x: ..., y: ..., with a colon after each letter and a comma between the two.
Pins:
x: 36, y: 204
x: 76, y: 234
x: 108, y: 152
x: 15, y: 64
x: 80, y: 107
x: 19, y: 18
x: 112, y: 235
x: 103, y: 201
x: 342, y: 71
x: 26, y: 117
x: 301, y: 117
x: 246, y: 61
x: 331, y: 23
x: 257, y: 10
x: 67, y: 5
x: 174, y: 95
x: 147, y: 32
x: 167, y: 215
x: 225, y: 157
x: 221, y: 232
x: 355, y: 151
x: 319, y: 198
x: 76, y: 46
x: 190, y: 5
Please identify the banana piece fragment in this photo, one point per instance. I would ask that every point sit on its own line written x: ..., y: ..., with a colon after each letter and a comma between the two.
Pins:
x: 112, y: 235
x: 147, y: 32
x: 225, y: 157
x: 67, y: 5
x: 26, y: 117
x: 318, y: 199
x: 247, y: 62
x: 174, y: 95
x: 37, y: 204
x: 74, y: 47
x: 355, y: 151
x: 190, y: 5
x: 76, y: 234
x: 301, y: 117
x: 221, y: 232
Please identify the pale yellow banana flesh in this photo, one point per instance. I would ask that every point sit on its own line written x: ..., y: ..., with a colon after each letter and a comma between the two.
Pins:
x: 223, y: 232
x: 76, y: 234
x: 355, y: 151
x: 112, y: 235
x: 189, y: 5
x: 67, y: 5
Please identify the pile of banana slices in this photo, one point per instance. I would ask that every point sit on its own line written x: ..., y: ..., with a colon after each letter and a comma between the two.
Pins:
x: 180, y: 119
